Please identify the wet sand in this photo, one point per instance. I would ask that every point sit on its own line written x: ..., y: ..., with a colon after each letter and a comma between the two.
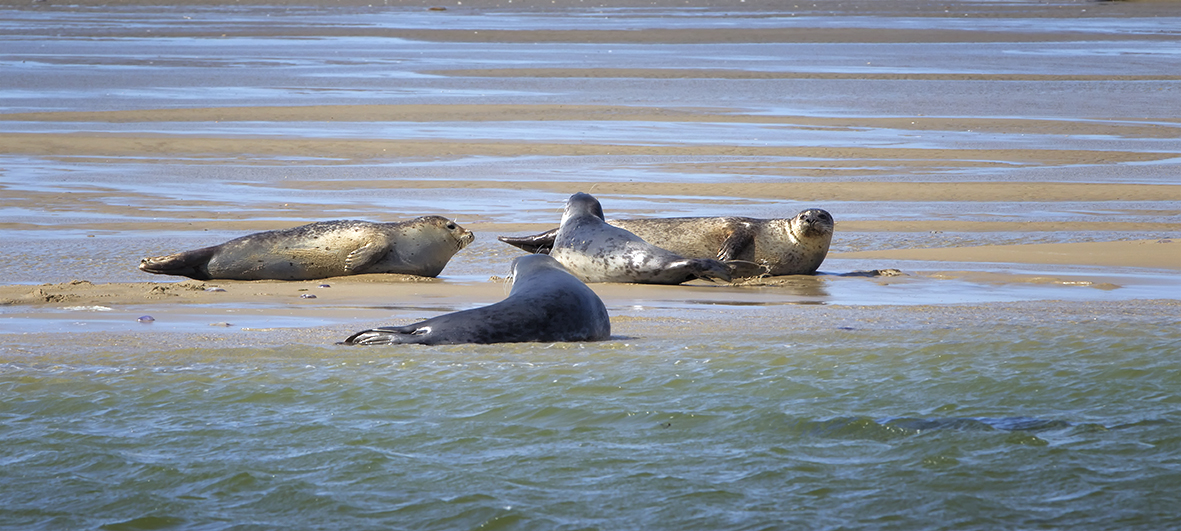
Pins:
x: 1036, y: 159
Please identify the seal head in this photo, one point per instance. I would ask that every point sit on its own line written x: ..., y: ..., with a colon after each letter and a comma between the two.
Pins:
x: 802, y: 252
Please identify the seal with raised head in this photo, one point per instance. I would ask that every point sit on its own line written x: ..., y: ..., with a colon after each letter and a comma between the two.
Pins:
x: 596, y: 251
x: 782, y: 246
x: 421, y: 246
x: 546, y: 303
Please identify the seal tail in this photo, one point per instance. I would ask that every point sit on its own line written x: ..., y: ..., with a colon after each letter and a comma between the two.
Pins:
x: 709, y: 269
x: 536, y: 244
x: 190, y: 264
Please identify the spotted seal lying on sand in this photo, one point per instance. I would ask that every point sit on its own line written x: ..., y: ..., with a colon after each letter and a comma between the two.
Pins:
x: 421, y: 246
x: 787, y: 246
x: 546, y: 303
x: 595, y: 251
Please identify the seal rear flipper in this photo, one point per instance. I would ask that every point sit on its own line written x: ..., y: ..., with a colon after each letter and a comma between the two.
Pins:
x: 386, y: 335
x: 746, y: 268
x: 707, y: 269
x: 192, y: 264
x: 536, y: 244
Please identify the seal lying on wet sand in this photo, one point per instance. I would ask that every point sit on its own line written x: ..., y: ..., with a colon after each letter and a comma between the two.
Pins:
x: 546, y: 304
x: 422, y: 246
x: 790, y: 246
x: 598, y: 252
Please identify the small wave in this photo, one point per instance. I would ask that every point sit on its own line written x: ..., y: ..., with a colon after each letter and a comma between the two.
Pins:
x: 894, y: 428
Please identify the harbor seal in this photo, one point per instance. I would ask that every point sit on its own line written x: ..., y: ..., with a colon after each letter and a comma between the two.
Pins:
x: 784, y: 246
x: 421, y: 246
x: 595, y: 251
x: 546, y: 303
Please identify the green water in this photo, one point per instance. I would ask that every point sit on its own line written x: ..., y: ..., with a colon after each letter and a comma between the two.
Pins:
x: 1034, y: 421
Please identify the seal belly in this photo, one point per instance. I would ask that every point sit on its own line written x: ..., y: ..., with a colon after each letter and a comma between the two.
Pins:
x: 688, y: 237
x: 281, y: 264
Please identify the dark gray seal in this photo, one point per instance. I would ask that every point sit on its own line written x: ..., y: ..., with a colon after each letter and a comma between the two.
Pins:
x: 546, y: 304
x: 421, y: 246
x: 595, y: 251
x: 783, y: 246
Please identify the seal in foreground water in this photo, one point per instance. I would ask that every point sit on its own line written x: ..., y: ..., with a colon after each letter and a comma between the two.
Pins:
x: 546, y: 304
x: 789, y: 246
x: 598, y: 252
x: 421, y: 246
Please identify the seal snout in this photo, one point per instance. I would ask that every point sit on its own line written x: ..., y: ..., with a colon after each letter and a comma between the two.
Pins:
x: 465, y: 238
x: 815, y: 222
x: 460, y: 236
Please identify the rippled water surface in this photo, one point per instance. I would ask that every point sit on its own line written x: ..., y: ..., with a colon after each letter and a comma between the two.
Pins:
x: 887, y: 424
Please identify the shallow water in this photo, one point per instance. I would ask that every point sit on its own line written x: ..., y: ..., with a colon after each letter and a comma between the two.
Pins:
x: 894, y: 423
x: 955, y: 396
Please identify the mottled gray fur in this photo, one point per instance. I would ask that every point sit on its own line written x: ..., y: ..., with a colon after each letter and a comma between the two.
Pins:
x: 595, y: 251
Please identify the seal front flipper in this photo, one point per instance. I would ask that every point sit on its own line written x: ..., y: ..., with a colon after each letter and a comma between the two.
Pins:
x: 192, y: 264
x: 739, y: 245
x: 364, y: 256
x: 536, y: 244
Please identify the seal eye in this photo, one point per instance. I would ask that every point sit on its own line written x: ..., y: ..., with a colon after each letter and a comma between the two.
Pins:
x: 450, y: 226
